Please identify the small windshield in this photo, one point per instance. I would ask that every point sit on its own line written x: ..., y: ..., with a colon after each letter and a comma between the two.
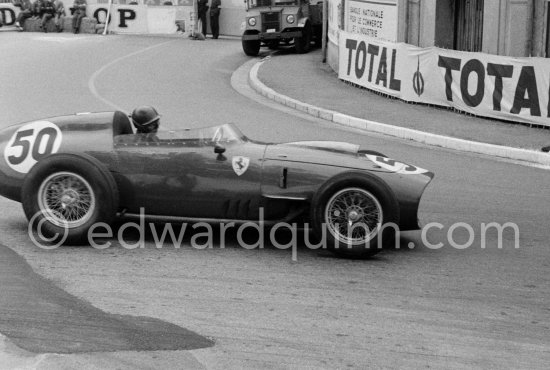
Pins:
x: 259, y: 3
x: 204, y: 136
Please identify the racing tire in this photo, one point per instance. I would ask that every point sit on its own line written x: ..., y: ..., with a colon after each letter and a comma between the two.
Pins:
x: 355, y: 215
x: 251, y: 47
x: 302, y: 44
x: 65, y: 194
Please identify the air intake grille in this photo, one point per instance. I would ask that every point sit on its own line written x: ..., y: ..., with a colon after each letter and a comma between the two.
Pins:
x: 271, y: 22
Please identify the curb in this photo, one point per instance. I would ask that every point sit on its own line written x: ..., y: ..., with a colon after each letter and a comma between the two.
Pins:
x: 525, y: 155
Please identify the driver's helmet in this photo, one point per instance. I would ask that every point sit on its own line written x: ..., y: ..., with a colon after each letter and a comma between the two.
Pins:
x: 146, y: 119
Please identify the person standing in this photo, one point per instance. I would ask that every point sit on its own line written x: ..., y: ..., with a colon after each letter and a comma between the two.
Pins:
x: 214, y: 18
x: 79, y: 13
x: 202, y: 9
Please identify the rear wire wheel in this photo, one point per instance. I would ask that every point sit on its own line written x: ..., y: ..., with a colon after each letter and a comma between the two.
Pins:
x: 66, y: 194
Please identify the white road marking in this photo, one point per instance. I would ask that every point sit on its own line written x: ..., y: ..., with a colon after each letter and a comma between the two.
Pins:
x: 91, y: 81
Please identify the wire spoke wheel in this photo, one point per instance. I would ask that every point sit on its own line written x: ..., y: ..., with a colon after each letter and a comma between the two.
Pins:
x: 66, y: 199
x: 353, y: 216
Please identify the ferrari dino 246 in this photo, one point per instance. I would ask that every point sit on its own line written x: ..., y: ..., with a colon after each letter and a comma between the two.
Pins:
x: 77, y: 170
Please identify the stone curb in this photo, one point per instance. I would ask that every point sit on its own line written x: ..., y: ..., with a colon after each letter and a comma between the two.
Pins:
x: 531, y: 156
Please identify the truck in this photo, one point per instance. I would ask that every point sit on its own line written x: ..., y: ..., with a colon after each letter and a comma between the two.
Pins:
x: 272, y: 22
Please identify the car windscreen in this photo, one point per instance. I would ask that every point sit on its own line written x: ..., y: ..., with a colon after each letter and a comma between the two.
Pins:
x: 224, y: 134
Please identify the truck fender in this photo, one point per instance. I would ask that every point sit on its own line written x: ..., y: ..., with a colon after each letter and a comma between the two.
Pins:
x: 302, y: 22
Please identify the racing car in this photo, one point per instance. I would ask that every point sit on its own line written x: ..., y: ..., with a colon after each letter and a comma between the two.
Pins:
x: 71, y: 172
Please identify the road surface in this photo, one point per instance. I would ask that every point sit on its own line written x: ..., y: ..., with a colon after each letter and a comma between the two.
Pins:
x: 446, y: 307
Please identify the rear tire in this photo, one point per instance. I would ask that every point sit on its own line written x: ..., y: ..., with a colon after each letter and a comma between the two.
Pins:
x: 65, y: 194
x: 251, y: 47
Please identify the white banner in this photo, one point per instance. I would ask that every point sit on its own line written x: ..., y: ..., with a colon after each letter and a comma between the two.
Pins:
x: 8, y: 14
x: 514, y: 89
x: 375, y: 19
x: 124, y: 18
x: 161, y: 20
x: 141, y: 18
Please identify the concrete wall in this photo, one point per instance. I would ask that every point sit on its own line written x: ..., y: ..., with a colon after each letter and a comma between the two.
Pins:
x: 510, y: 27
x: 413, y: 22
x: 540, y: 32
x: 427, y: 23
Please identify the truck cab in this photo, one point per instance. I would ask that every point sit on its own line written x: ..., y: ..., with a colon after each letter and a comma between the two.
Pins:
x: 270, y: 22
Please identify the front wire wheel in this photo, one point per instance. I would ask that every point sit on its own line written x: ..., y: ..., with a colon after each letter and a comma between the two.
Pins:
x: 353, y: 217
x: 66, y: 199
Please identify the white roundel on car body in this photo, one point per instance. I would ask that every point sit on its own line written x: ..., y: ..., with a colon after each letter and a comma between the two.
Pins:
x: 30, y: 143
x: 395, y: 166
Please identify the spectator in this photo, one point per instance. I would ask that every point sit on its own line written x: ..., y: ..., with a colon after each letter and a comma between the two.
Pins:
x: 79, y: 13
x: 214, y: 18
x: 202, y: 9
x: 59, y: 14
x: 46, y: 11
x: 27, y: 11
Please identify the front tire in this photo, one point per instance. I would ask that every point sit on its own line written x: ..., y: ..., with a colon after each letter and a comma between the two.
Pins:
x: 251, y: 47
x: 68, y: 193
x: 352, y: 214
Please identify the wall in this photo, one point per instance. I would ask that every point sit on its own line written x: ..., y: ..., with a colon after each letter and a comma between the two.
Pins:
x: 510, y: 27
x: 540, y: 35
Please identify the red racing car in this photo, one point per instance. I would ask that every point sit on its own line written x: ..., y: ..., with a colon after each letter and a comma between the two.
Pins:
x: 77, y: 170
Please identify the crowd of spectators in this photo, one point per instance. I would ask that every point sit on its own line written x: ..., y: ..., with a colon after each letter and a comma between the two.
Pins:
x: 47, y: 10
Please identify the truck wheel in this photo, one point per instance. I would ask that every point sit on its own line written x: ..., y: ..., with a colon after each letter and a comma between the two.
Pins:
x: 302, y: 44
x: 251, y: 47
x: 65, y: 194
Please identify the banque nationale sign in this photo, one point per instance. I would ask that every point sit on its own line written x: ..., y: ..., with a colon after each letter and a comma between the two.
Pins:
x: 514, y: 89
x: 375, y: 19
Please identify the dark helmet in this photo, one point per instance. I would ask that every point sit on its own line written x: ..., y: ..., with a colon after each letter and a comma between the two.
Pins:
x: 146, y: 119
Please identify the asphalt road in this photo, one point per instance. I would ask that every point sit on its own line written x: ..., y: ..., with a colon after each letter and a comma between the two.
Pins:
x: 481, y: 306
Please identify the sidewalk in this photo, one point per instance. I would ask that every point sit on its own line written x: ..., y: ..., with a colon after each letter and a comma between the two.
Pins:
x: 293, y: 78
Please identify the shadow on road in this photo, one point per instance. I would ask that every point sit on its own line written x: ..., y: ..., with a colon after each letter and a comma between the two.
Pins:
x: 42, y: 318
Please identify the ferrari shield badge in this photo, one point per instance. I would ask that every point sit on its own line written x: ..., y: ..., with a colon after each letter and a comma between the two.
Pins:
x: 240, y: 164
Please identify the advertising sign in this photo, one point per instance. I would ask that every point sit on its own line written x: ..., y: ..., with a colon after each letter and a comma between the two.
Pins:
x: 8, y: 14
x: 375, y: 19
x: 514, y: 89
